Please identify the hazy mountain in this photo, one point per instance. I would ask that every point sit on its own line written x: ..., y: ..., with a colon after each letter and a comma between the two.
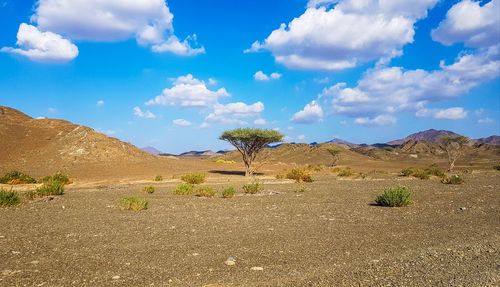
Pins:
x: 151, y: 150
x: 431, y: 135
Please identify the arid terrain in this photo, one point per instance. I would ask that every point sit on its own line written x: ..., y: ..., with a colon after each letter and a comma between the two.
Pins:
x: 325, y: 233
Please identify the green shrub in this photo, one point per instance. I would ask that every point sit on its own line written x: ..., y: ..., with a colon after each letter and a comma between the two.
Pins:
x: 299, y: 175
x: 407, y: 171
x: 253, y: 188
x: 59, y: 176
x: 453, y: 179
x: 228, y: 192
x: 281, y: 175
x: 345, y: 172
x: 193, y: 178
x: 435, y: 170
x: 158, y: 178
x: 395, y: 197
x: 205, y: 191
x: 9, y: 198
x: 184, y: 189
x: 133, y: 203
x: 149, y: 189
x: 51, y: 187
x: 16, y: 177
x: 421, y: 174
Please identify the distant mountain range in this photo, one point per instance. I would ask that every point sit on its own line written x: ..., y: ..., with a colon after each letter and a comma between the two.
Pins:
x: 431, y: 135
x: 151, y: 150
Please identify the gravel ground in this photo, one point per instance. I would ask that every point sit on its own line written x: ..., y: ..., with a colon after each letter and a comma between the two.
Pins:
x: 330, y: 235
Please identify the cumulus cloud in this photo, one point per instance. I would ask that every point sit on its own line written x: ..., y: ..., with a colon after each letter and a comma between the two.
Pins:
x: 335, y: 35
x: 42, y: 46
x: 312, y: 113
x: 187, y: 91
x: 143, y: 114
x: 260, y: 122
x: 234, y: 113
x: 182, y: 122
x: 381, y: 120
x: 150, y: 22
x: 470, y: 23
x: 261, y: 76
x: 456, y: 113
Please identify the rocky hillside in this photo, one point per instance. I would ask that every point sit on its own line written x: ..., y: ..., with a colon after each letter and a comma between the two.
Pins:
x: 431, y: 135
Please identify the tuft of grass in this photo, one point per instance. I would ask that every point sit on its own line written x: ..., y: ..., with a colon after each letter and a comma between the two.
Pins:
x: 421, y: 174
x: 253, y: 188
x: 497, y: 167
x: 396, y: 196
x: 184, y: 189
x: 299, y: 175
x: 9, y: 198
x: 205, y: 191
x: 16, y: 177
x: 407, y: 171
x: 453, y: 179
x: 133, y: 203
x: 225, y: 161
x: 58, y: 176
x: 51, y: 187
x: 193, y: 178
x: 346, y: 172
x: 158, y: 178
x: 149, y: 189
x: 435, y: 171
x: 228, y: 192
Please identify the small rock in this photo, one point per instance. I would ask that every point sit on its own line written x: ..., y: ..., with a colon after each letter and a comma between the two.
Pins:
x: 15, y: 252
x: 34, y: 262
x: 196, y: 254
x: 230, y: 261
x: 463, y: 208
x: 257, y: 268
x: 116, y: 277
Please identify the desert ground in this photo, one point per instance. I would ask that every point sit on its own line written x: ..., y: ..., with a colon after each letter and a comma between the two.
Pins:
x: 329, y: 235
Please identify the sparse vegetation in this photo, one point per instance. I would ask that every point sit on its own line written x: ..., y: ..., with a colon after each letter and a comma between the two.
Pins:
x: 228, y: 192
x: 435, y: 170
x: 50, y: 187
x: 454, y: 148
x: 158, y: 178
x: 302, y: 188
x: 194, y: 178
x: 253, y: 188
x: 133, y: 203
x: 346, y: 172
x: 335, y: 153
x: 16, y: 177
x: 299, y: 175
x: 205, y: 191
x: 59, y: 176
x: 225, y: 161
x: 407, y: 171
x: 184, y: 189
x: 497, y: 167
x: 453, y: 179
x: 395, y: 197
x: 9, y: 198
x: 249, y: 142
x: 421, y: 174
x: 149, y: 189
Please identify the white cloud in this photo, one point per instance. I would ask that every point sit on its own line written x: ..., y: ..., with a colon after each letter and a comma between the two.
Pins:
x: 42, y: 46
x: 188, y: 91
x: 344, y: 35
x: 234, y: 113
x: 381, y: 120
x: 468, y: 22
x: 312, y: 113
x: 150, y: 22
x: 143, y: 114
x: 184, y: 48
x: 301, y: 138
x: 485, y: 121
x: 182, y: 122
x: 100, y: 103
x: 260, y: 122
x: 52, y: 110
x: 261, y: 76
x: 456, y: 113
x: 256, y: 46
x: 212, y: 82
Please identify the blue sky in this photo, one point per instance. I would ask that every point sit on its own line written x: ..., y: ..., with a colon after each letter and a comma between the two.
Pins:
x: 364, y: 71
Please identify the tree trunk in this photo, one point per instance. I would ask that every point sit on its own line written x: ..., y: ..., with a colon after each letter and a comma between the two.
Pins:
x: 248, y: 167
x: 452, y: 165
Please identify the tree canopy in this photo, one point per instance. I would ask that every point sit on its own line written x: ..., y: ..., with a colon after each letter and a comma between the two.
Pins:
x: 249, y: 141
x: 453, y: 146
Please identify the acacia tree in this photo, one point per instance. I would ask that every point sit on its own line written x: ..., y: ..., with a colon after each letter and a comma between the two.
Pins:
x: 335, y: 153
x: 249, y: 142
x: 453, y: 146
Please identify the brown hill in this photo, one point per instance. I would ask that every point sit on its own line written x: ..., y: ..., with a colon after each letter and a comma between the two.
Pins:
x: 431, y: 135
